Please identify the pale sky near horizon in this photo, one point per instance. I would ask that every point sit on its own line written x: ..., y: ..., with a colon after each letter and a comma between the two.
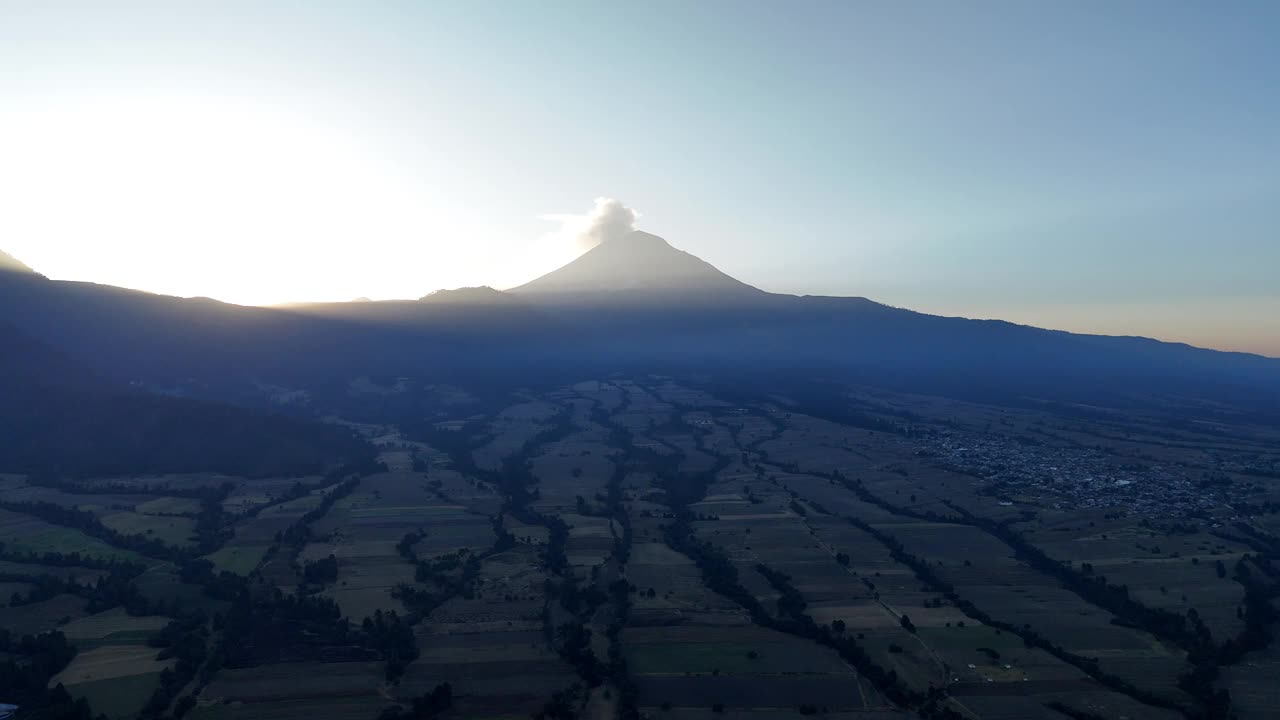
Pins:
x: 1110, y: 167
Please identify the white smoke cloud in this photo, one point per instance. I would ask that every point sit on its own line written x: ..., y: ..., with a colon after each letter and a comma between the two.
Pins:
x: 608, y: 220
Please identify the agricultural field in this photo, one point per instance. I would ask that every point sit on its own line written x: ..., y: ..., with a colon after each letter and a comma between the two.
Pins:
x: 22, y: 534
x: 116, y: 679
x: 293, y: 690
x: 175, y: 530
x: 113, y: 627
x: 364, y: 530
x: 253, y: 536
x: 43, y: 616
x: 639, y: 547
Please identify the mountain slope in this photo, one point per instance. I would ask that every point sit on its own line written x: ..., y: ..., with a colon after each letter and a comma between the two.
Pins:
x: 58, y: 417
x: 631, y: 304
x: 640, y: 267
x: 702, y: 319
x: 9, y: 263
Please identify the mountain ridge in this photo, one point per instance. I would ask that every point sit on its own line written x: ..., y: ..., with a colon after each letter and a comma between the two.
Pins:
x: 550, y: 288
x: 579, y: 320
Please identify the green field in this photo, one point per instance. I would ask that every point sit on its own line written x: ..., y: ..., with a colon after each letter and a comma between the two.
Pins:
x: 238, y: 559
x: 113, y: 627
x: 689, y: 658
x: 169, y: 506
x: 117, y: 697
x: 367, y: 706
x: 177, y: 531
x: 42, y: 616
x: 23, y: 533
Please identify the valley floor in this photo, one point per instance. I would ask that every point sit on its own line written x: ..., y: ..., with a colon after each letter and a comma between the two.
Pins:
x: 643, y: 547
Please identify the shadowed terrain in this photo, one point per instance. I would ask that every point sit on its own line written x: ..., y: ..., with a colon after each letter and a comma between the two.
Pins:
x: 632, y: 488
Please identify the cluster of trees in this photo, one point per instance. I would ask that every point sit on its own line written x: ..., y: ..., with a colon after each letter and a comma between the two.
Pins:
x: 791, y: 602
x: 404, y: 546
x: 1261, y: 582
x: 583, y: 507
x: 436, y: 569
x: 450, y: 574
x: 187, y: 640
x: 392, y: 636
x: 321, y: 572
x: 554, y: 558
x: 265, y: 625
x: 24, y: 676
x: 561, y: 705
x: 300, y: 532
x: 628, y: 694
x: 619, y: 590
x: 72, y: 559
x: 515, y: 478
x: 428, y: 706
x: 573, y: 642
x: 114, y: 589
x: 219, y: 585
x: 572, y: 639
x: 213, y: 527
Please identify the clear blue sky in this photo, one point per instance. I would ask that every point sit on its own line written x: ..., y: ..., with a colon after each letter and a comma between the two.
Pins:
x: 1108, y: 166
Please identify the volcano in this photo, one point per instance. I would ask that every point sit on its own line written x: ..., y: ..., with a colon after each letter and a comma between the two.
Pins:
x: 633, y: 302
x: 636, y: 264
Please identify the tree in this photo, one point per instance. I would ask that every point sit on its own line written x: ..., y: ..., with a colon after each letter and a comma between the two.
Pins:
x: 907, y: 624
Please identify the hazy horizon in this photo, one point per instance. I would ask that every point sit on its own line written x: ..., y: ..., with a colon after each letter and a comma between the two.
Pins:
x: 1083, y: 322
x: 1093, y: 168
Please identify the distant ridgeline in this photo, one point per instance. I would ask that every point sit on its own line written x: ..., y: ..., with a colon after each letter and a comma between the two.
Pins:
x: 633, y: 304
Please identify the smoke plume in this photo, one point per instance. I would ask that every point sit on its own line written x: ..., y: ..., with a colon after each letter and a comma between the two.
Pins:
x: 608, y: 220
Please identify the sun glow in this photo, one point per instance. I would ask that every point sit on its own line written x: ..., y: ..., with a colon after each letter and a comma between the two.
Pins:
x: 211, y: 196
